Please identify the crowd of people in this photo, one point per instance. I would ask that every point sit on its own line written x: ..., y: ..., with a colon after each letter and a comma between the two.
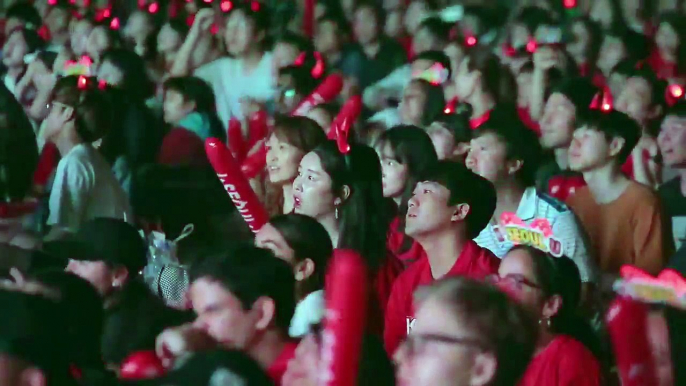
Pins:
x: 511, y: 176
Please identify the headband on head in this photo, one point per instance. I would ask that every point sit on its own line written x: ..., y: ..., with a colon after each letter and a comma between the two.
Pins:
x: 668, y: 288
x: 81, y: 67
x: 537, y: 234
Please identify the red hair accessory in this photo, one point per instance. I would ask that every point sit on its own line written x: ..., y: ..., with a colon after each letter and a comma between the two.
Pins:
x: 470, y: 41
x: 102, y: 84
x: 669, y: 287
x: 255, y: 6
x: 153, y: 8
x: 318, y: 68
x: 602, y: 101
x: 52, y: 2
x: 226, y: 5
x: 114, y: 24
x: 82, y: 82
x: 531, y: 46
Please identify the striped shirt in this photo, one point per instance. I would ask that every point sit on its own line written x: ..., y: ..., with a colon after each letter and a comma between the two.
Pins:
x: 565, y: 226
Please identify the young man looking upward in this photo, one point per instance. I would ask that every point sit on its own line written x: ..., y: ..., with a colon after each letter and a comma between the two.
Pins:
x: 447, y: 210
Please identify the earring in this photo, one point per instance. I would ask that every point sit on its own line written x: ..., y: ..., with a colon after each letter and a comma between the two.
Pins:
x: 335, y: 213
x: 299, y: 276
x: 546, y: 321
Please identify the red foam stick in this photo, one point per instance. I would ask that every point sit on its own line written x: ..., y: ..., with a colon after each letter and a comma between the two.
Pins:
x: 236, y: 185
x: 255, y: 163
x: 47, y: 162
x: 141, y: 365
x: 236, y: 141
x: 627, y: 325
x: 308, y: 18
x: 346, y: 307
x: 327, y: 91
x: 257, y: 128
x: 348, y: 114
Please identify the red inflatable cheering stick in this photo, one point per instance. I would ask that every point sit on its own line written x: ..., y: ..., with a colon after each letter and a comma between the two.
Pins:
x: 346, y: 306
x: 347, y: 116
x: 236, y: 185
x: 327, y: 91
x: 257, y: 128
x: 141, y: 365
x: 627, y: 325
x: 236, y: 140
x: 255, y: 163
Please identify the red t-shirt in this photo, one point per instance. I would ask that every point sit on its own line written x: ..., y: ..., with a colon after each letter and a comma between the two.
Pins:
x: 396, y: 242
x: 474, y: 262
x: 278, y: 367
x: 565, y: 362
x: 182, y: 147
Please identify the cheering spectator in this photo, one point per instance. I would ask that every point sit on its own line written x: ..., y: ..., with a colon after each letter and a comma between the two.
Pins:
x: 602, y: 142
x: 443, y: 217
x: 508, y: 157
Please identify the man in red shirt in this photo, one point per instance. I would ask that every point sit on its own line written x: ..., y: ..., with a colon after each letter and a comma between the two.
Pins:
x: 243, y: 301
x: 447, y: 210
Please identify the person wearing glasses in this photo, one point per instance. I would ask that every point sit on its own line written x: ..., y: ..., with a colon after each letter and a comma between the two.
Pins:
x: 466, y: 333
x: 550, y: 288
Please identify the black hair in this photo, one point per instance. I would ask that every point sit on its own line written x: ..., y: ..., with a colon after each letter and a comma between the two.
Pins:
x: 309, y: 240
x: 437, y: 28
x: 47, y: 58
x: 626, y: 67
x: 434, y: 103
x: 26, y: 13
x: 179, y: 26
x: 465, y: 187
x: 412, y: 147
x: 637, y: 45
x: 83, y: 311
x: 595, y: 33
x: 376, y: 8
x: 300, y: 42
x: 363, y: 221
x: 614, y: 124
x: 531, y: 17
x: 259, y: 14
x: 92, y: 106
x: 495, y: 79
x: 33, y: 41
x: 249, y: 273
x: 436, y: 57
x: 676, y: 322
x: 133, y: 321
x: 113, y: 35
x: 198, y: 91
x: 303, y: 81
x: 339, y: 20
x: 520, y: 143
x: 18, y: 148
x: 560, y: 276
x: 458, y: 125
x: 135, y: 83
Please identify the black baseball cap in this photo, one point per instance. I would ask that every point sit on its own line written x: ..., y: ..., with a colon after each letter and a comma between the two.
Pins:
x: 112, y: 241
x: 217, y: 367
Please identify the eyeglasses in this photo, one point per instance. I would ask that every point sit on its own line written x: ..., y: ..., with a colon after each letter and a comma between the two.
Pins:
x: 517, y: 282
x: 416, y: 343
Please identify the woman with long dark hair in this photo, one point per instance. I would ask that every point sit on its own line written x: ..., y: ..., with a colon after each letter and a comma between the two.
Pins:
x: 344, y: 193
x: 406, y: 152
x: 303, y: 243
x: 290, y: 139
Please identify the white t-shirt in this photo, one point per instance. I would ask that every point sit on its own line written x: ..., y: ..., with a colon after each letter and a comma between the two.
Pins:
x: 231, y: 84
x: 565, y: 227
x: 86, y: 188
